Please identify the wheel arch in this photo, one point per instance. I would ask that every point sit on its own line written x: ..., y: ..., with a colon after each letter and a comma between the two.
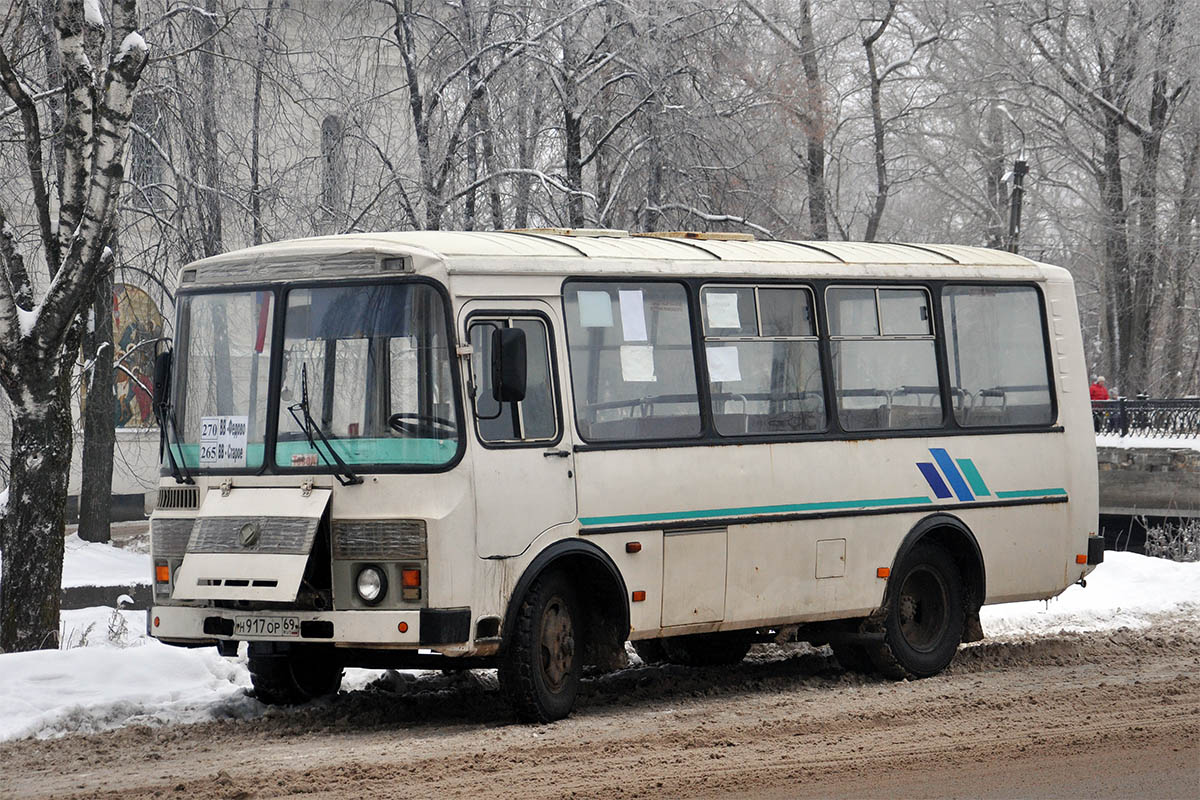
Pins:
x: 589, y: 567
x: 956, y: 537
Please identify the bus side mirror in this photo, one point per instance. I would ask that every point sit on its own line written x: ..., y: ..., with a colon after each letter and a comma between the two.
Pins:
x: 162, y: 378
x: 509, y: 364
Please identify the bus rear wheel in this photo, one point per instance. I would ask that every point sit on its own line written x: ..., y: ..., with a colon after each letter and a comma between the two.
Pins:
x: 925, y: 615
x: 541, y: 667
x: 283, y: 675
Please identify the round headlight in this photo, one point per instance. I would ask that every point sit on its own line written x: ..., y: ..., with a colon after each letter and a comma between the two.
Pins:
x: 371, y: 584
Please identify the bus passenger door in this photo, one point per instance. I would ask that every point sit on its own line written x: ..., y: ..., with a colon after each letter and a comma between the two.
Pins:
x: 523, y: 458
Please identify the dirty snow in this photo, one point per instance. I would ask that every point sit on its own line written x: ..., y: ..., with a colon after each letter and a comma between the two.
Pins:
x: 130, y: 679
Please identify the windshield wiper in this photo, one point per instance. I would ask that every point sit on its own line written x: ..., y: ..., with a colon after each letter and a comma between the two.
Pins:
x: 308, y: 425
x: 164, y: 412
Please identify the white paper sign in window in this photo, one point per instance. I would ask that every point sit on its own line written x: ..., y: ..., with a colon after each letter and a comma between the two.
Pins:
x: 723, y: 363
x: 223, y: 441
x: 595, y: 310
x: 722, y: 309
x: 637, y: 363
x: 633, y: 315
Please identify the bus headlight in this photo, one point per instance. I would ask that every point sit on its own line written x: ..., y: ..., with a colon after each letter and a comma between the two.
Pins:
x: 371, y: 584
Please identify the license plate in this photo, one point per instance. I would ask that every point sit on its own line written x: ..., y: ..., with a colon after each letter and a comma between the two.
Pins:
x: 266, y: 626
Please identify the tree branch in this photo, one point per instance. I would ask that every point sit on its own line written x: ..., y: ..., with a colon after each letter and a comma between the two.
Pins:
x: 17, y: 92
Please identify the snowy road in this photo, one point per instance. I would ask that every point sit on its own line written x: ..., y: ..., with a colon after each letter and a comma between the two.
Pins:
x: 1094, y: 694
x: 1114, y: 714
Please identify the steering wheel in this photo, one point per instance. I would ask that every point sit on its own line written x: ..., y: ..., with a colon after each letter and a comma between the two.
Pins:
x: 416, y: 425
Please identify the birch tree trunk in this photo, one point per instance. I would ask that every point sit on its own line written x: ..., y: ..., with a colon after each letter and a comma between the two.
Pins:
x: 38, y: 342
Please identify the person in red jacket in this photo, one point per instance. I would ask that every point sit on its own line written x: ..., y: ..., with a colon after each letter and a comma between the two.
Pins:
x: 1098, y: 389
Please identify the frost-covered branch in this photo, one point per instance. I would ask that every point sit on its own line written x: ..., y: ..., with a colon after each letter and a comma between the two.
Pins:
x: 43, y: 95
x: 707, y: 217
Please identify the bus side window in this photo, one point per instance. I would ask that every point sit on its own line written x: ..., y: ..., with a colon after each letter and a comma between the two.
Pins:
x: 884, y: 362
x: 632, y: 364
x: 997, y: 355
x: 764, y: 367
x: 533, y: 419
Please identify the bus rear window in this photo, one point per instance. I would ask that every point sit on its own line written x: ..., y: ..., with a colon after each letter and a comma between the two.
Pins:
x: 997, y: 355
x: 632, y: 366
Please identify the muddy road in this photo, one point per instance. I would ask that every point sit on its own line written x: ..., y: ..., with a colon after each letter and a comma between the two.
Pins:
x: 1070, y: 715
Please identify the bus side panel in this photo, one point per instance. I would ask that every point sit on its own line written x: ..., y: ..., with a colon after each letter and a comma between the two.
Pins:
x: 869, y: 493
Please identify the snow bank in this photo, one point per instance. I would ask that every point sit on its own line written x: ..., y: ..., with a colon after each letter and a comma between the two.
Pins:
x: 102, y: 683
x: 1163, y: 442
x: 1127, y: 590
x: 94, y: 564
x: 137, y: 680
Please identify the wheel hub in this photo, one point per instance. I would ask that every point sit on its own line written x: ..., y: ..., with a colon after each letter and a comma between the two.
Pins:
x: 922, y: 609
x: 557, y: 644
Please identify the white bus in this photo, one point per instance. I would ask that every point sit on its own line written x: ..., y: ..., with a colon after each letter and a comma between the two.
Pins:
x: 522, y: 449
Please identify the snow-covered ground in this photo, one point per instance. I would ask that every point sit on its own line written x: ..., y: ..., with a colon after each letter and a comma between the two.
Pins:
x: 106, y: 680
x: 94, y: 564
x: 1164, y: 442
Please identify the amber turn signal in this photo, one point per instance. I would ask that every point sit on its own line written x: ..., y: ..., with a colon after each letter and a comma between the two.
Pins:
x: 639, y: 596
x: 633, y: 547
x: 1080, y: 558
x: 402, y: 627
x: 883, y: 572
x: 162, y: 573
x: 410, y: 578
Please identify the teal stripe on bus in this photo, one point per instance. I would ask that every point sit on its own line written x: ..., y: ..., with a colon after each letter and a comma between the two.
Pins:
x: 1032, y: 493
x: 709, y: 513
x: 973, y: 477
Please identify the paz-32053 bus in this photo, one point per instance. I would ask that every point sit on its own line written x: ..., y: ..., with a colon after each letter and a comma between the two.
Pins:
x: 522, y: 449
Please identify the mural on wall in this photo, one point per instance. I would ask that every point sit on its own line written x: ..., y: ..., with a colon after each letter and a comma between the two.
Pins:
x: 137, y: 323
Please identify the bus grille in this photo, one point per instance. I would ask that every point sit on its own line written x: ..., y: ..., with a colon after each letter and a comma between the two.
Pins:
x: 379, y: 538
x: 169, y: 537
x: 283, y: 535
x: 178, y: 497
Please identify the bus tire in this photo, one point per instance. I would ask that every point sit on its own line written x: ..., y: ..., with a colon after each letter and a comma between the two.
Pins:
x: 292, y: 676
x: 541, y: 667
x: 706, y: 649
x: 925, y: 615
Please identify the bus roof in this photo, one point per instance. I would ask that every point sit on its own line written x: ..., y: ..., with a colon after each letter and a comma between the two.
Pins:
x: 547, y: 252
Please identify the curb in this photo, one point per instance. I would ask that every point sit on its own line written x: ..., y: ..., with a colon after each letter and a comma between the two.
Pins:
x: 74, y: 597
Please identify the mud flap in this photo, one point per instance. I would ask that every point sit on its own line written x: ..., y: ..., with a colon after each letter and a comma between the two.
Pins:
x: 238, y: 550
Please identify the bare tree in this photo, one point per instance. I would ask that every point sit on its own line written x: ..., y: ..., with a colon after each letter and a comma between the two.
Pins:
x: 35, y: 359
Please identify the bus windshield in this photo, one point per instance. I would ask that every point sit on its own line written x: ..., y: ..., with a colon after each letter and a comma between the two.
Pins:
x: 372, y: 360
x: 222, y: 356
x: 374, y: 363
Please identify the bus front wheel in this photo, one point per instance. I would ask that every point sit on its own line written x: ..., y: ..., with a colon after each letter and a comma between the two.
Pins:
x: 925, y: 615
x: 540, y: 669
x: 283, y: 675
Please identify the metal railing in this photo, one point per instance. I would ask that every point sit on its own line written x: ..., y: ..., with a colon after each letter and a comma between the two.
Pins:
x: 1160, y: 418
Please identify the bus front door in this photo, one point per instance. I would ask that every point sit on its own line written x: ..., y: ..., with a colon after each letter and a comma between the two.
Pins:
x: 523, y: 458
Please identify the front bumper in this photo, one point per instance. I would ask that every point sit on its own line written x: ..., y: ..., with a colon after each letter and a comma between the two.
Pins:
x: 423, y: 627
x: 1095, y: 553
